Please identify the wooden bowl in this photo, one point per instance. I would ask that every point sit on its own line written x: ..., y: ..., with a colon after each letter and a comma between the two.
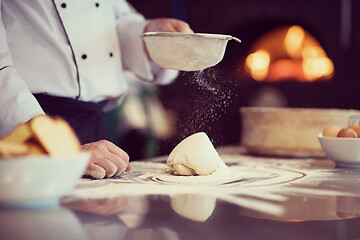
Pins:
x: 288, y: 132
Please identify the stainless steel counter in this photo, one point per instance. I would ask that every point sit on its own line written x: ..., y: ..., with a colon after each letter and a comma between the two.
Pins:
x: 264, y: 198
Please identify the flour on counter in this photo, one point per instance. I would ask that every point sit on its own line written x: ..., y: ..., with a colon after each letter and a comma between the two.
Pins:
x: 255, y: 183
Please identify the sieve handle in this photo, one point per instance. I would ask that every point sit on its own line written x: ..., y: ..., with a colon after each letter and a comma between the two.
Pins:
x: 234, y: 38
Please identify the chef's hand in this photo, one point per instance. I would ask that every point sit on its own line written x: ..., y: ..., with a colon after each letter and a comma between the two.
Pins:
x: 166, y: 25
x: 104, y: 207
x: 107, y: 159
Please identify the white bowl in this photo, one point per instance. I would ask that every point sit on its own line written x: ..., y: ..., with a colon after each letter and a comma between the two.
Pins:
x: 184, y: 51
x: 39, y: 181
x: 345, y: 152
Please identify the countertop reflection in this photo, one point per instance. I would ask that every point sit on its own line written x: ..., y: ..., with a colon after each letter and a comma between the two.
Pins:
x: 265, y: 198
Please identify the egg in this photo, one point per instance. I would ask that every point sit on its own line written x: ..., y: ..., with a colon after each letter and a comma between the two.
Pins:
x: 347, y: 133
x: 331, y: 131
x: 356, y: 129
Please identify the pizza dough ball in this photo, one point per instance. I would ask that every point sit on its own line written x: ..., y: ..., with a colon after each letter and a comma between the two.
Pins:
x: 195, y: 155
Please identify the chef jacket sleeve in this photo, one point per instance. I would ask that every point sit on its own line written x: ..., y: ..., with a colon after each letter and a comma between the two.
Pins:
x: 17, y: 104
x: 130, y: 26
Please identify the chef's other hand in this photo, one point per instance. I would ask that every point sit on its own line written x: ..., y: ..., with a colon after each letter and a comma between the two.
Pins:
x: 107, y: 159
x: 167, y: 25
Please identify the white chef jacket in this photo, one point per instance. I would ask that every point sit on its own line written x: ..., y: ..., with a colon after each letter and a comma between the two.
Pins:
x: 70, y: 48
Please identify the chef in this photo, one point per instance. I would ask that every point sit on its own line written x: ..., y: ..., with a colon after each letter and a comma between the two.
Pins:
x: 72, y: 58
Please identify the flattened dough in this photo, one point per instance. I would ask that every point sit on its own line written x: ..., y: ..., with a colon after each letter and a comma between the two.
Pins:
x: 195, y: 155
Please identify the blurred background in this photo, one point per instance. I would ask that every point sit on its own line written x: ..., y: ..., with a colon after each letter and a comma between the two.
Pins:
x: 303, y: 54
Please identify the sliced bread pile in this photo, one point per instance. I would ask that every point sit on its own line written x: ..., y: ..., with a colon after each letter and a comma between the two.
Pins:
x: 41, y: 135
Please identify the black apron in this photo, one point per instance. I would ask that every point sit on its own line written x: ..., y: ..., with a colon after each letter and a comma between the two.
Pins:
x: 86, y: 118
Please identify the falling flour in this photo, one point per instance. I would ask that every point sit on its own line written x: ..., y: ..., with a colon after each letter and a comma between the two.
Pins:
x: 211, y: 98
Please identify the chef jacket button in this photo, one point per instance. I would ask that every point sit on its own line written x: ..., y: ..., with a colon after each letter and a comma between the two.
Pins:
x: 97, y: 4
x: 111, y: 54
x: 84, y: 56
x: 63, y: 5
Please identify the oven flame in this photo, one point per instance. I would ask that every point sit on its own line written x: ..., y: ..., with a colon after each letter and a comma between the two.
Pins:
x: 258, y: 63
x: 288, y: 53
x: 317, y: 68
x: 316, y: 64
x: 294, y: 40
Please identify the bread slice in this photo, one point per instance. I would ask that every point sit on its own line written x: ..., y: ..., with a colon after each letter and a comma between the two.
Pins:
x: 55, y: 135
x: 34, y: 147
x: 8, y: 149
x: 20, y: 134
x: 41, y: 135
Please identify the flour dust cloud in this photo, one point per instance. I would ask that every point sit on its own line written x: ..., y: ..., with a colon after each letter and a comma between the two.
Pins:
x: 209, y: 100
